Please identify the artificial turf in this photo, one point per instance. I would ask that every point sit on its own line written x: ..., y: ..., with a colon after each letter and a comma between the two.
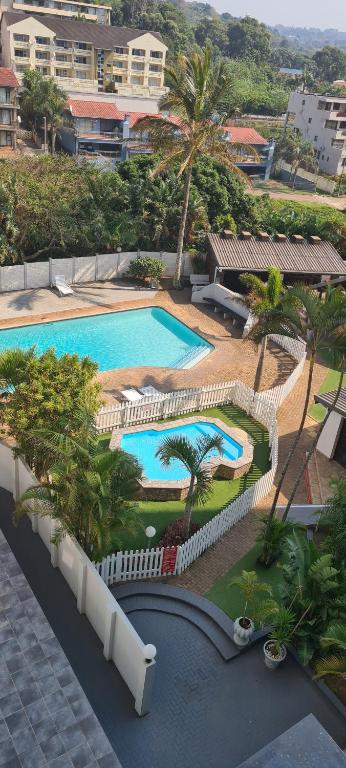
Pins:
x: 330, y: 382
x: 160, y: 514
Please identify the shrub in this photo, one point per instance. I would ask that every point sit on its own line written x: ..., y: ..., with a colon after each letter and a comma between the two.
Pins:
x: 145, y: 268
x: 174, y: 533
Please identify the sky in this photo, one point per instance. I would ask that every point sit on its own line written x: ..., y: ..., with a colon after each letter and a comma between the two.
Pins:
x: 297, y: 13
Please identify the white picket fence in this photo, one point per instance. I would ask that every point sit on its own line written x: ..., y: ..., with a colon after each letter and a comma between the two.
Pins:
x: 147, y: 563
x: 154, y: 407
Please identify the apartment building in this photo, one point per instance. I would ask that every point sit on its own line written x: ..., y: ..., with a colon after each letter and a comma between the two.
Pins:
x: 321, y: 120
x: 83, y: 56
x: 8, y: 109
x: 68, y: 8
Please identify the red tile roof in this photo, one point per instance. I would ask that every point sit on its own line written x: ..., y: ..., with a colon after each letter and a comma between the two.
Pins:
x: 244, y: 135
x: 8, y: 78
x: 101, y: 109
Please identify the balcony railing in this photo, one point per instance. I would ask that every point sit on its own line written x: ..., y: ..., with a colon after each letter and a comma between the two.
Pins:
x: 92, y: 135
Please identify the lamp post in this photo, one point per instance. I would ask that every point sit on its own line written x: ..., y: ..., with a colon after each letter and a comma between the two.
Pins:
x: 150, y: 533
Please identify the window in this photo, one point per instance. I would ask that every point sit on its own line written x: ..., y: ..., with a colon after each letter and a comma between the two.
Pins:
x: 328, y: 159
x: 138, y: 52
x: 42, y: 40
x: 42, y: 70
x: 21, y: 38
x: 322, y: 157
x: 136, y: 80
x: 62, y: 44
x: 310, y: 119
x: 315, y: 138
x: 117, y: 78
x: 61, y: 57
x: 81, y: 75
x: 155, y: 68
x: 42, y: 55
x: 336, y: 106
x: 122, y: 51
x: 20, y: 54
x: 61, y: 73
x: 118, y: 64
x: 5, y: 95
x: 331, y: 124
x: 81, y: 46
x: 137, y: 66
x: 81, y: 60
x: 153, y: 81
x: 156, y: 54
x: 339, y: 143
x: 303, y: 102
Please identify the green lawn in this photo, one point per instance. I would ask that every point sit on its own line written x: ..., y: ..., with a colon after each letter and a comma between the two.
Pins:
x: 160, y: 514
x: 317, y: 411
x: 229, y: 598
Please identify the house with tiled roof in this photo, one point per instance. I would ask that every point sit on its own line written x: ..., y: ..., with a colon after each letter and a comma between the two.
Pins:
x: 8, y: 111
x: 104, y: 127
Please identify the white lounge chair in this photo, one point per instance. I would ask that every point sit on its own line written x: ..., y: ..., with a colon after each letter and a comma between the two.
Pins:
x: 62, y: 287
x: 149, y: 391
x: 132, y: 395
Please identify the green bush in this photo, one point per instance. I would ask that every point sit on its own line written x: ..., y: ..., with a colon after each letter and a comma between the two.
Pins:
x: 145, y: 268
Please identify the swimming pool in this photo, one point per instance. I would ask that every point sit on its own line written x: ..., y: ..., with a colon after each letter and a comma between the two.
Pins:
x: 136, y: 337
x: 143, y: 444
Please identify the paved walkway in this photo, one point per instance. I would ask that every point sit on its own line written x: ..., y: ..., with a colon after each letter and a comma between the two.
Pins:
x: 45, y: 717
x: 219, y: 558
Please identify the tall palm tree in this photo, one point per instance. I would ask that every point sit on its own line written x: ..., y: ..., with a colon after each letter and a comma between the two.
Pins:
x: 320, y: 324
x: 335, y: 663
x: 261, y: 298
x: 194, y: 458
x: 88, y: 491
x: 198, y: 87
x: 41, y: 97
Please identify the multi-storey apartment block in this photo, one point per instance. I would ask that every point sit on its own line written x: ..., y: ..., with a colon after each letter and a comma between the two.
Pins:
x: 68, y: 8
x: 8, y: 109
x: 321, y: 120
x: 82, y: 56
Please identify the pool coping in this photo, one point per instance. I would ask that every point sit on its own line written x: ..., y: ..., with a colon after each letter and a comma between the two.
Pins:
x: 214, y: 464
x: 190, y: 363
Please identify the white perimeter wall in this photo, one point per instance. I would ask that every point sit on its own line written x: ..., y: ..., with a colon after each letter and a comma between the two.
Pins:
x: 329, y: 435
x: 121, y: 642
x: 81, y: 269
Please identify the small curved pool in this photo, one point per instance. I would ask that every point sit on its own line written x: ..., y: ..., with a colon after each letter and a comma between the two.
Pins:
x: 144, y: 444
x: 149, y: 336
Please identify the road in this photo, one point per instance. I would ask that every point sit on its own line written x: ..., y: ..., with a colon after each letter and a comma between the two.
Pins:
x: 339, y: 203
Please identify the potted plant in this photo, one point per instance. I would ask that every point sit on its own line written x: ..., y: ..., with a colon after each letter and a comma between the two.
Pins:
x: 282, y: 630
x: 255, y: 608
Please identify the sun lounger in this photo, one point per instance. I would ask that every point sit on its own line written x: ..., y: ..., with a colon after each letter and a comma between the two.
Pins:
x: 132, y: 395
x: 149, y: 391
x: 62, y: 287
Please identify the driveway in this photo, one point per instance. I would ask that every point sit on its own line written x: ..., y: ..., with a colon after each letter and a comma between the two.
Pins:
x: 339, y: 203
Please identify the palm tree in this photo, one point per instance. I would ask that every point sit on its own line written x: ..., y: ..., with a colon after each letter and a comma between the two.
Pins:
x: 88, y: 491
x: 41, y: 97
x: 261, y: 298
x: 320, y: 324
x: 13, y: 365
x: 334, y: 664
x: 193, y: 457
x: 198, y: 87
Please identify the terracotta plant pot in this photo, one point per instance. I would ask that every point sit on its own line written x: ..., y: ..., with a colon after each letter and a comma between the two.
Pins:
x: 243, y: 630
x: 273, y: 660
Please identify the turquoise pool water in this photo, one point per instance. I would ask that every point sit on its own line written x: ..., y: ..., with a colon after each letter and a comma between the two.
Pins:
x: 138, y: 337
x: 144, y: 445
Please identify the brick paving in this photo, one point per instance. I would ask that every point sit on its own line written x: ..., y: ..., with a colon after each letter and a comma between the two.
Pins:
x: 219, y: 558
x: 45, y: 717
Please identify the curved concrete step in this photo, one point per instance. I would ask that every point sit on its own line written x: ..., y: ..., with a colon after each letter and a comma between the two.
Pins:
x: 209, y: 619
